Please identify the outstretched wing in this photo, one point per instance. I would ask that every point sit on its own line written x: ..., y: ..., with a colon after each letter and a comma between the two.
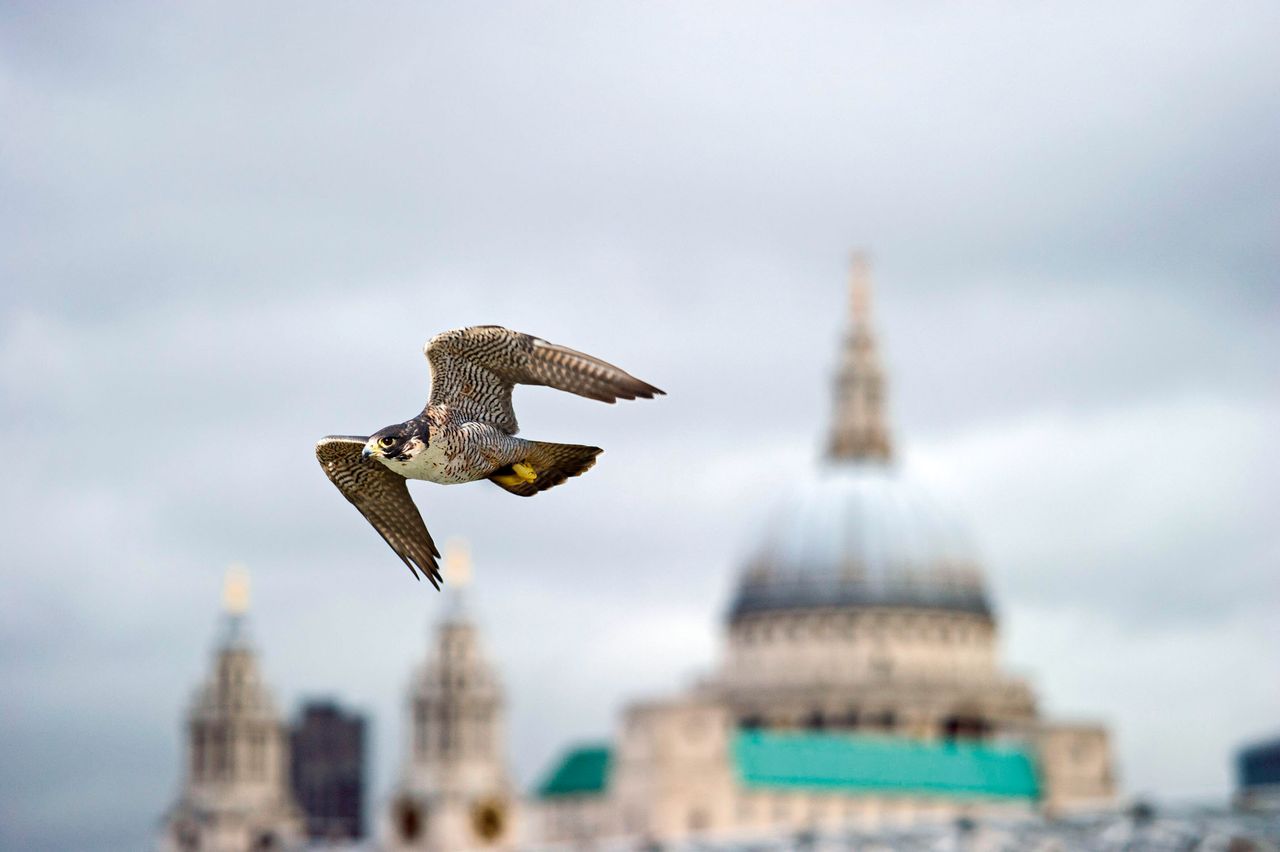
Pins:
x: 474, y: 369
x: 382, y: 496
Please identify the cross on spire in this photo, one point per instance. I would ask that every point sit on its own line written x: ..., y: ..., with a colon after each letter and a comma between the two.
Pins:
x: 858, y: 429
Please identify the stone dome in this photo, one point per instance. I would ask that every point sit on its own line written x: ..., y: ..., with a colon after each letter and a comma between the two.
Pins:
x: 859, y: 533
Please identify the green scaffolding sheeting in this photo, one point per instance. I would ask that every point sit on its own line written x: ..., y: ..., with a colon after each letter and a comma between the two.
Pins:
x: 883, y: 764
x: 583, y: 771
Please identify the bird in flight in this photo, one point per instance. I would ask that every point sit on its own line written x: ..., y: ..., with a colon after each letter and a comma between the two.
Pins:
x: 467, y: 432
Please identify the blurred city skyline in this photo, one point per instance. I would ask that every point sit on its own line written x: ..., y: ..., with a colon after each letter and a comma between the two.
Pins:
x: 229, y: 230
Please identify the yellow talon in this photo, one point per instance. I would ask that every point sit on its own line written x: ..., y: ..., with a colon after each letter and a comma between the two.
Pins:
x: 525, y: 472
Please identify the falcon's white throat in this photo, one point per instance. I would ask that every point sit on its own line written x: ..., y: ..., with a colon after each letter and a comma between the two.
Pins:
x: 431, y: 462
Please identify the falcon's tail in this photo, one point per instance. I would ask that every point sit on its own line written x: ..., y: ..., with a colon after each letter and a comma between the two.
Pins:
x: 551, y: 463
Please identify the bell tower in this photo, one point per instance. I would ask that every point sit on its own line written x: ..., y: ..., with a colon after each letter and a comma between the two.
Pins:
x: 235, y: 793
x: 454, y: 792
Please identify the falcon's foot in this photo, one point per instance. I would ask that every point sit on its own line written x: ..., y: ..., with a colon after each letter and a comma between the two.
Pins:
x: 546, y: 466
x: 521, y: 473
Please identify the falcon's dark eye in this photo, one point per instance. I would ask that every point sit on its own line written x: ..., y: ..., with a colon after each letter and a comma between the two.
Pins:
x: 386, y: 442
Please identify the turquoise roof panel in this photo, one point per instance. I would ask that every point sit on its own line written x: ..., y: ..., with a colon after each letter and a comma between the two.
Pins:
x: 583, y: 771
x: 884, y: 765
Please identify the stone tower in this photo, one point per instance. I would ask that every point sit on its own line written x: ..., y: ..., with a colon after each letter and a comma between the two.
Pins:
x: 235, y: 794
x: 454, y: 793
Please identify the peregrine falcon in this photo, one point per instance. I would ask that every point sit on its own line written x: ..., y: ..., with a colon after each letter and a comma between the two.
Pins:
x: 468, y: 432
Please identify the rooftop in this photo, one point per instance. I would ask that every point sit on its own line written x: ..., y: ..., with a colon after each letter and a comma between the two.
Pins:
x: 861, y: 534
x: 581, y: 771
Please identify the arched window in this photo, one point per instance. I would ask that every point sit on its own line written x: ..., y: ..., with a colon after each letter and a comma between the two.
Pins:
x: 188, y: 835
x: 421, y: 730
x: 197, y: 751
x: 221, y: 743
x: 445, y: 730
x: 258, y: 754
x: 409, y: 819
x: 965, y: 726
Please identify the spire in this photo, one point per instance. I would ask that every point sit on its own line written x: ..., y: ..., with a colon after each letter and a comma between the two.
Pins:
x: 858, y: 428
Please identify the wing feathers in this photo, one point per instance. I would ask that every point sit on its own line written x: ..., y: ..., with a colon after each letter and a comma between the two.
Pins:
x: 382, y: 496
x: 576, y: 372
x: 474, y: 370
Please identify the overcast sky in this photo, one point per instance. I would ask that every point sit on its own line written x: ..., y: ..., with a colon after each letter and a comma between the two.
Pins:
x: 227, y: 229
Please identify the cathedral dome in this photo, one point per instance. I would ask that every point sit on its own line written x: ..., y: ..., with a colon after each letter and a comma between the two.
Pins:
x: 858, y: 532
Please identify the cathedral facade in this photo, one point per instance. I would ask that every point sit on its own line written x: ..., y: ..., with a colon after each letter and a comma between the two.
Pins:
x: 860, y: 684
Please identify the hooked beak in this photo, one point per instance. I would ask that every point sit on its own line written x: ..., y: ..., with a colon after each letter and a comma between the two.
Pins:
x: 366, y: 452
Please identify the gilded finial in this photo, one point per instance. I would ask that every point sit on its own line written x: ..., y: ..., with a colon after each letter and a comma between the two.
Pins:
x: 457, y: 563
x: 860, y: 288
x: 235, y: 589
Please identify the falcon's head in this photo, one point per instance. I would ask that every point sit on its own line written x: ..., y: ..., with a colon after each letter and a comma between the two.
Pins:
x: 398, y: 443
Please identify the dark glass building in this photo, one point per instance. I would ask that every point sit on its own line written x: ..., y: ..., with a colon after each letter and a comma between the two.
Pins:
x: 328, y: 770
x: 1258, y: 774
